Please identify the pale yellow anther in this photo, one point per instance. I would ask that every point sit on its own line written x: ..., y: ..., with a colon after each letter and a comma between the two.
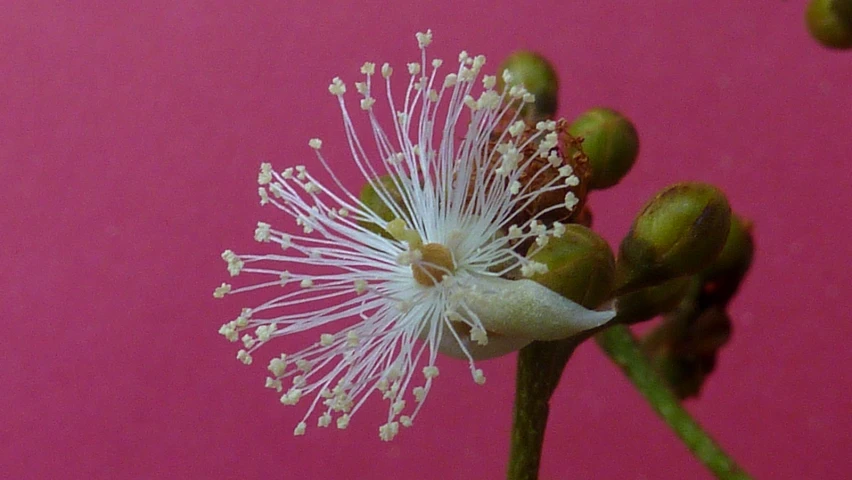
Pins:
x: 368, y: 68
x: 401, y: 232
x: 244, y: 357
x: 343, y: 421
x: 419, y: 394
x: 278, y: 365
x: 430, y: 372
x: 221, y: 290
x: 479, y: 336
x: 396, y: 227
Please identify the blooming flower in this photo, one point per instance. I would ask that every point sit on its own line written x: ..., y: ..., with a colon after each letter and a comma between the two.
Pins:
x: 443, y: 274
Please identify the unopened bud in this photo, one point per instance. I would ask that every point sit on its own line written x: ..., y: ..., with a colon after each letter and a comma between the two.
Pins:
x: 687, y: 358
x: 611, y: 143
x: 685, y: 375
x: 830, y: 22
x: 722, y: 278
x: 537, y: 75
x: 580, y: 266
x: 647, y: 303
x: 679, y: 232
x: 706, y: 334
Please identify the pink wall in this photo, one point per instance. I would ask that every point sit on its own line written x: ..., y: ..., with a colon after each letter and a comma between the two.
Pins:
x: 129, y: 141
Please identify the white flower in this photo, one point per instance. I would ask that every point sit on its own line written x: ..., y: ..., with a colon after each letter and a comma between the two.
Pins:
x: 382, y: 306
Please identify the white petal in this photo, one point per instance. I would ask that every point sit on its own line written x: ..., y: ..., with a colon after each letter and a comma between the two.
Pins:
x: 498, y: 345
x: 526, y: 309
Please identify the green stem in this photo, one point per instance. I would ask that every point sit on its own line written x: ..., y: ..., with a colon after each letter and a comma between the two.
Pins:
x: 540, y: 365
x: 620, y: 345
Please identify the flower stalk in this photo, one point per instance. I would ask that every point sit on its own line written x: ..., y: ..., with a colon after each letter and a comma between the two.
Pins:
x: 540, y: 367
x: 621, y: 347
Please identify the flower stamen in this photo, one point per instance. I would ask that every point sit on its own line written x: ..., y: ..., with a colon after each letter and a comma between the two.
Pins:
x: 436, y: 261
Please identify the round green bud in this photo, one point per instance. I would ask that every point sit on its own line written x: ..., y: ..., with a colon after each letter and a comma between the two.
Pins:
x: 679, y: 232
x: 537, y: 75
x: 647, y: 303
x: 581, y: 266
x: 830, y: 22
x: 722, y: 278
x: 371, y: 198
x: 735, y: 258
x: 611, y: 143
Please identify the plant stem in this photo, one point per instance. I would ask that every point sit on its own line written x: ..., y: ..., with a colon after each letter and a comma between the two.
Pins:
x: 622, y: 348
x: 540, y: 365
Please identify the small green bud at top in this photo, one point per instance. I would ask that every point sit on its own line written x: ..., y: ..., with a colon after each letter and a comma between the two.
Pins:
x: 581, y: 266
x: 830, y: 22
x: 377, y: 205
x: 679, y: 232
x: 647, y: 303
x: 610, y: 141
x: 537, y: 75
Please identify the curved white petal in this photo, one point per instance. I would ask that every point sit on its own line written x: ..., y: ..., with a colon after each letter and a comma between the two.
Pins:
x: 497, y: 346
x: 526, y: 309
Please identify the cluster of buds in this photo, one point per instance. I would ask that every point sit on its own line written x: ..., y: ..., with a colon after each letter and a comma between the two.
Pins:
x: 694, y: 296
x: 683, y: 259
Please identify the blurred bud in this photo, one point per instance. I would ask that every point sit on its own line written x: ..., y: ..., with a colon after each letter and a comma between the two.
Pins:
x: 706, y: 334
x: 830, y: 22
x: 611, y: 143
x: 581, y: 266
x: 375, y: 202
x: 647, y: 303
x: 685, y: 354
x: 679, y: 232
x: 722, y: 278
x: 685, y: 375
x: 537, y: 75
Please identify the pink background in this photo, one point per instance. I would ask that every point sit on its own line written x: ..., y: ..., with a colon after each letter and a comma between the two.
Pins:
x: 129, y: 142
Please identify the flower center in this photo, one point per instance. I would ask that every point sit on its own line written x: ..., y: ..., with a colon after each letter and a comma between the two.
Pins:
x: 435, y: 262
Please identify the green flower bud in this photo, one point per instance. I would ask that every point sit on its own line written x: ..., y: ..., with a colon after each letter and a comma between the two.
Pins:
x: 737, y: 253
x: 679, y: 232
x: 722, y: 278
x: 611, y: 143
x: 581, y: 266
x: 647, y: 303
x: 374, y: 202
x: 537, y: 75
x: 830, y: 22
